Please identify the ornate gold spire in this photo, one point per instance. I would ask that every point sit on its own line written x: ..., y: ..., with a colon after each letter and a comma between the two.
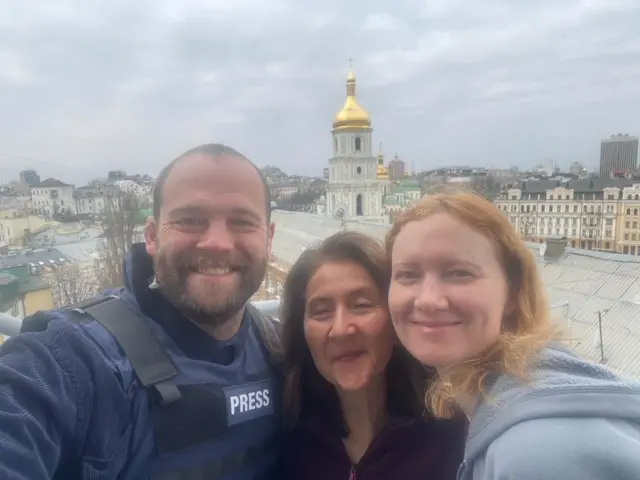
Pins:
x: 352, y: 114
x: 382, y: 173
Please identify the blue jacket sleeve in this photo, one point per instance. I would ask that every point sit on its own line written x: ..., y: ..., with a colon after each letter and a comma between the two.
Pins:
x: 44, y: 393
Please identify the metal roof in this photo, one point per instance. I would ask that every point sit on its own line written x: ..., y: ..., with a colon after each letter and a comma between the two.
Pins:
x: 593, y: 284
x: 34, y: 258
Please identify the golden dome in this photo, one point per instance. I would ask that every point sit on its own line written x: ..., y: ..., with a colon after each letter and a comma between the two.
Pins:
x: 352, y: 115
x: 382, y: 172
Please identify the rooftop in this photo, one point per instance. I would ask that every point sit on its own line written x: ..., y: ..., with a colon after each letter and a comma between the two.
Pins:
x: 34, y: 258
x: 51, y: 182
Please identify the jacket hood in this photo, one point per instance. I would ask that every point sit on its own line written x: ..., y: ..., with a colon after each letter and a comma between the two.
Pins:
x: 561, y: 385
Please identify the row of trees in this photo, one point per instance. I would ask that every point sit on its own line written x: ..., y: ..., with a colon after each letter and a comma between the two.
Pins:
x: 298, y: 201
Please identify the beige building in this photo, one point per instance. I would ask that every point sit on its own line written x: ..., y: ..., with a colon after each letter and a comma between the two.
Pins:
x: 23, y: 294
x: 629, y: 225
x: 16, y: 227
x: 590, y: 213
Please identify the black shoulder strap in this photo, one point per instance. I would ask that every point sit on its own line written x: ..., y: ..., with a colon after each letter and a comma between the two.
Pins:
x: 269, y: 330
x: 148, y: 358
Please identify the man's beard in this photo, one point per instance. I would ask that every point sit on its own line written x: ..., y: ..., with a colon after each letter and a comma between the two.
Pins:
x: 207, y: 304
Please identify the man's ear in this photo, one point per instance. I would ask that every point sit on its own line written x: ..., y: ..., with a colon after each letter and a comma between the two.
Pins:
x: 150, y: 236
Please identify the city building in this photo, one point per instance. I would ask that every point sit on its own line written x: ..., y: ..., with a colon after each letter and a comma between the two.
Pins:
x: 29, y: 177
x: 396, y: 169
x: 589, y: 213
x: 283, y: 190
x: 23, y: 294
x: 576, y: 168
x: 629, y: 224
x: 17, y: 227
x: 354, y: 187
x: 53, y: 197
x: 618, y: 153
x: 94, y: 200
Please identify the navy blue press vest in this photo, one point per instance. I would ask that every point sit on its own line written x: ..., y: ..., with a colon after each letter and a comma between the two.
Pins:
x: 209, y: 421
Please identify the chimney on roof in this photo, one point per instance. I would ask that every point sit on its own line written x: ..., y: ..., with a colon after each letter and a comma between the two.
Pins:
x: 554, y: 248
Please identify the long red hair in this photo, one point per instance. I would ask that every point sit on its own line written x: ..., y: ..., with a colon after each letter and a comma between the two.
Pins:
x: 525, y: 330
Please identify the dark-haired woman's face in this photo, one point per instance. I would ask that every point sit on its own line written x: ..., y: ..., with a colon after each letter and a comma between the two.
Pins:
x: 347, y: 325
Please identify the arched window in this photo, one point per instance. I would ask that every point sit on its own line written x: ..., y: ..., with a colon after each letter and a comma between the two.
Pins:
x: 359, y: 170
x: 358, y: 144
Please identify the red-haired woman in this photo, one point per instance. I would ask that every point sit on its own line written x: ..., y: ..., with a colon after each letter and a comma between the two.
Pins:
x: 466, y: 298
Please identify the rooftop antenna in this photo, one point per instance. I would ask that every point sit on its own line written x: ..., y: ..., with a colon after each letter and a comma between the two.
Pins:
x: 600, y: 340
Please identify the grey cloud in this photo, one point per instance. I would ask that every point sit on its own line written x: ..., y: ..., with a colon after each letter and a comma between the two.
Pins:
x: 87, y: 87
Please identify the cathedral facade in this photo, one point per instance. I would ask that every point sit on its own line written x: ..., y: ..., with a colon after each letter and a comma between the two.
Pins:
x: 358, y: 180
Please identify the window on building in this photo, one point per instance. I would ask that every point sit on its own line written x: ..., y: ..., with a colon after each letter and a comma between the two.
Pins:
x: 358, y: 144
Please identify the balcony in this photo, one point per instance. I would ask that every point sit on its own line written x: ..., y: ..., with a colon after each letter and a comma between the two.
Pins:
x: 11, y: 326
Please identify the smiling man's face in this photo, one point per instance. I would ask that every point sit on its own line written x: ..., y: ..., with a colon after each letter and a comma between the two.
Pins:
x: 212, y: 239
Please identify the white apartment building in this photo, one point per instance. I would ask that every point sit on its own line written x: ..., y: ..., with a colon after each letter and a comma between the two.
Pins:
x: 587, y: 212
x: 52, y: 197
x: 93, y: 200
x: 142, y: 191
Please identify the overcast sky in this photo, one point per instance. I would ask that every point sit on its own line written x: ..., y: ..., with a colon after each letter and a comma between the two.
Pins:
x: 90, y: 86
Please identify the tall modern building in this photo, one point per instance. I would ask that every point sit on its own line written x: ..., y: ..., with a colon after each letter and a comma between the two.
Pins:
x: 396, y: 169
x: 29, y: 177
x: 618, y: 153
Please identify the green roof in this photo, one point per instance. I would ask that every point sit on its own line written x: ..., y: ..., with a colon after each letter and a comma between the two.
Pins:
x: 33, y: 284
x: 9, y: 291
x: 410, y: 183
x: 26, y: 282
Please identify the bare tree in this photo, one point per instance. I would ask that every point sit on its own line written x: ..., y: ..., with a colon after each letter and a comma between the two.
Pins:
x: 71, y: 284
x: 118, y: 234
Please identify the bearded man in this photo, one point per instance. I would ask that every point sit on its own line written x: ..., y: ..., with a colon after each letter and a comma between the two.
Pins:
x: 175, y: 375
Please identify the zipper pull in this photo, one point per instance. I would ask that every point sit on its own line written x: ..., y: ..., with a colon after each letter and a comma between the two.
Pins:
x: 352, y: 473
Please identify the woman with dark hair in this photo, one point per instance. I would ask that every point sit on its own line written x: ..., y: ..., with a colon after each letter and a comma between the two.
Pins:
x: 353, y: 397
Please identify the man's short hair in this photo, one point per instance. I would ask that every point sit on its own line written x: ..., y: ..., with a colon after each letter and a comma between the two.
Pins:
x: 212, y: 150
